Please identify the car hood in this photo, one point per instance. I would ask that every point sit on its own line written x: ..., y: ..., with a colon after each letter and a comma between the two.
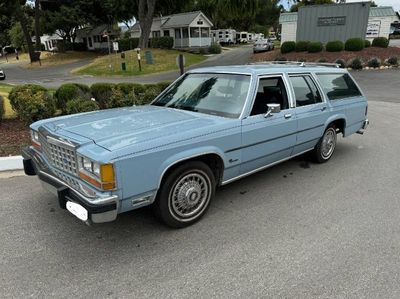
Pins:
x: 143, y: 126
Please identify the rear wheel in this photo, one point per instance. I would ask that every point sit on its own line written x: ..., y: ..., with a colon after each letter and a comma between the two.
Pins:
x: 325, y: 147
x: 185, y: 195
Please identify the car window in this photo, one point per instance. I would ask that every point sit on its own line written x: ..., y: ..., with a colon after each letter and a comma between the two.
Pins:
x: 210, y: 93
x: 305, y: 90
x: 271, y: 90
x: 338, y: 86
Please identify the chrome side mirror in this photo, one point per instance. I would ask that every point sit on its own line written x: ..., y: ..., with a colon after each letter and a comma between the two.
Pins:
x: 272, y: 108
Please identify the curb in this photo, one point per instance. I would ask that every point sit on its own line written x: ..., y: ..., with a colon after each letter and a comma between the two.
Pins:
x: 11, y: 163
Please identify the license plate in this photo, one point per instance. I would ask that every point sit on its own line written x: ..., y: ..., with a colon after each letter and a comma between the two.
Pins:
x: 77, y: 210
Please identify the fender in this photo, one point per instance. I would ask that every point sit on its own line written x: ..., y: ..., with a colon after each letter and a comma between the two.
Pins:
x: 186, y: 155
x: 334, y: 117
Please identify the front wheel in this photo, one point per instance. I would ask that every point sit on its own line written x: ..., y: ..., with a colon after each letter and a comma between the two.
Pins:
x: 325, y: 147
x: 185, y: 195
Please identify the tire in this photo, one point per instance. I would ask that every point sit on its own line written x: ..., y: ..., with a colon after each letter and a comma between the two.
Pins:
x: 325, y: 147
x: 185, y: 194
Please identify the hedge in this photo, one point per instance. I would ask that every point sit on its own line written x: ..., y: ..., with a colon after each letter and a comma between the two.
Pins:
x: 301, y: 46
x: 354, y: 44
x: 2, y: 108
x: 102, y: 92
x: 393, y: 60
x: 356, y: 64
x: 163, y: 42
x: 315, y: 47
x: 334, y: 46
x: 214, y: 48
x: 79, y: 105
x: 126, y: 44
x: 287, y: 47
x: 70, y: 91
x: 374, y: 62
x: 32, y: 102
x: 381, y: 42
x: 367, y: 43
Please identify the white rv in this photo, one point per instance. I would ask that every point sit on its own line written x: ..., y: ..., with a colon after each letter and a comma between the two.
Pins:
x: 242, y: 37
x: 224, y: 36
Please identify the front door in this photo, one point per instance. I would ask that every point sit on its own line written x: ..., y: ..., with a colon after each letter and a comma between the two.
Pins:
x: 266, y: 140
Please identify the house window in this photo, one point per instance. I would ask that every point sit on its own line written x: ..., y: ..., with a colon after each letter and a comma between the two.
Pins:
x: 166, y: 32
x: 156, y: 33
x: 90, y: 42
x: 185, y: 33
x: 204, y: 32
x: 178, y: 33
x: 194, y: 32
x: 200, y: 22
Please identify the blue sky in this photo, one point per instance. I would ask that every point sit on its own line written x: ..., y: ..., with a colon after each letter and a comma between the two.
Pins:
x: 394, y: 3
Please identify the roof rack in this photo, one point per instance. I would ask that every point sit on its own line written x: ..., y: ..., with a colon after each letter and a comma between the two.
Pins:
x: 298, y: 63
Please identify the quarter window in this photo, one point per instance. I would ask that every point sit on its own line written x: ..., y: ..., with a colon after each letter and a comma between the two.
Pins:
x: 305, y: 90
x: 338, y: 86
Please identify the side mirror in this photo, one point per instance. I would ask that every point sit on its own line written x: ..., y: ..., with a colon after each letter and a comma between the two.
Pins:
x: 272, y: 108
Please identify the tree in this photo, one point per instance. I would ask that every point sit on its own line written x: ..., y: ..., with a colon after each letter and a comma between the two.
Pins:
x: 5, y: 25
x: 145, y: 13
x: 16, y: 35
x: 37, y: 24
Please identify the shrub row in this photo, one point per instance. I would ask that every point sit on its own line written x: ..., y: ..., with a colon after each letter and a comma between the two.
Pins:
x: 352, y: 44
x: 163, y: 42
x: 33, y: 102
x: 2, y: 108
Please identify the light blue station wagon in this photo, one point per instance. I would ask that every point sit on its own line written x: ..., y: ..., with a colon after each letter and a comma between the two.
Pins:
x: 210, y: 127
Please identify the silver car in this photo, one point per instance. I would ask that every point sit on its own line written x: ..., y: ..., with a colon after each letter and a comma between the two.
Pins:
x: 262, y: 45
x: 2, y: 75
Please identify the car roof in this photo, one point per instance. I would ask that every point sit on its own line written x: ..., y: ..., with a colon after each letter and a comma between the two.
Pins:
x: 270, y: 68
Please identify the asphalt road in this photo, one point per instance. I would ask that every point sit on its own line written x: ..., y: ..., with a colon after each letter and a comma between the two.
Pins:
x: 53, y: 77
x: 297, y: 230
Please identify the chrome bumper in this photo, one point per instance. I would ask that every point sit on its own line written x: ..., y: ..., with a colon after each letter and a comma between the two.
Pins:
x: 363, y: 127
x: 100, y: 209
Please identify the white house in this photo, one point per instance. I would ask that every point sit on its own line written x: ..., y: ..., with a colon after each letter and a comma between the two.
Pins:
x: 379, y: 23
x: 96, y: 38
x: 50, y: 41
x: 190, y: 29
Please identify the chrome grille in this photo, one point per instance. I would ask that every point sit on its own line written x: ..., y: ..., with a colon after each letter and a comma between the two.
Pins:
x: 60, y: 156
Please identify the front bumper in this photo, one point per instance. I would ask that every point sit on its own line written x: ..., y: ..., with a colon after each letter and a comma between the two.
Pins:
x: 101, y: 209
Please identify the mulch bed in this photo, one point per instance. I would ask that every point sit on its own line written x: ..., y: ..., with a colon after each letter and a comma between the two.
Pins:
x: 365, y: 55
x: 14, y: 135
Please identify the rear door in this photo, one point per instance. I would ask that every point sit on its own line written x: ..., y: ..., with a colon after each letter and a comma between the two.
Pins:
x: 268, y: 140
x: 311, y: 111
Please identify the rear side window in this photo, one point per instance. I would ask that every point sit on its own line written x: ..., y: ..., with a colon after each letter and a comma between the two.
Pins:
x: 338, y: 86
x: 305, y: 90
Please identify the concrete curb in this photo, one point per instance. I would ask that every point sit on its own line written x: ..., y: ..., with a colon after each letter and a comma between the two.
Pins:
x: 11, y: 163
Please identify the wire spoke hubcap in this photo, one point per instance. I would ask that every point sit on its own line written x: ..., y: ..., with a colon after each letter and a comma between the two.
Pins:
x: 190, y: 195
x: 328, y: 143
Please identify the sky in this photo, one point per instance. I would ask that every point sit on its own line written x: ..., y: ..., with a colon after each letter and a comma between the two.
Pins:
x: 394, y: 3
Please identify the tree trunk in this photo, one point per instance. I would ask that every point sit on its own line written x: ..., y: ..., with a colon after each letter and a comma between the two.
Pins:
x: 37, y: 24
x: 24, y: 25
x: 146, y: 11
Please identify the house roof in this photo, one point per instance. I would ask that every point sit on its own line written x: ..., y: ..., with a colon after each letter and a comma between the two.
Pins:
x: 99, y: 30
x: 380, y: 11
x: 182, y: 19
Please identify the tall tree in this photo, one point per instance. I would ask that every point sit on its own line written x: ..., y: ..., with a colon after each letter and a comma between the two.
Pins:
x: 145, y: 13
x: 37, y: 25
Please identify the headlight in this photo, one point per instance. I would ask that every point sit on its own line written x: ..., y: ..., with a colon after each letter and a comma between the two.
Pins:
x: 35, y: 139
x: 98, y: 175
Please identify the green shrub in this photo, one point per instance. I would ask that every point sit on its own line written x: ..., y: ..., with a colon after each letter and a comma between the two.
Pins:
x: 354, y: 44
x: 102, y: 93
x: 120, y: 98
x: 288, y: 47
x: 79, y: 105
x: 374, y: 62
x: 203, y: 51
x: 163, y: 42
x: 126, y: 44
x: 301, y: 46
x: 2, y: 108
x: 32, y: 102
x: 214, y: 48
x: 70, y: 91
x: 129, y: 87
x: 341, y: 63
x: 149, y: 95
x: 367, y: 43
x: 334, y: 46
x: 280, y: 58
x: 381, y: 42
x: 163, y: 85
x: 356, y: 64
x: 393, y: 60
x: 315, y: 47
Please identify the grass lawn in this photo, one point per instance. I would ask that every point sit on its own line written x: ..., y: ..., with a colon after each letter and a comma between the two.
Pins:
x: 164, y: 60
x: 4, y: 91
x: 49, y: 59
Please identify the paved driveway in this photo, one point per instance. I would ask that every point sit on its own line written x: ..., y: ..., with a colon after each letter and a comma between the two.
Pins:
x: 297, y: 230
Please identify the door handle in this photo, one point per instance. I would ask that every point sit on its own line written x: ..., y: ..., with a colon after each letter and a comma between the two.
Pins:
x: 289, y: 115
x: 323, y: 108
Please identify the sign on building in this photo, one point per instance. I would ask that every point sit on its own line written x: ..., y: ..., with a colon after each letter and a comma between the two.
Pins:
x: 331, y: 21
x: 373, y: 29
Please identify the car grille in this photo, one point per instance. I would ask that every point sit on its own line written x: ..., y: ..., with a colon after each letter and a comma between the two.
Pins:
x: 60, y: 156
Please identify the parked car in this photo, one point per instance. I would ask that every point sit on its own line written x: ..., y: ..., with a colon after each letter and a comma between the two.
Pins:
x: 2, y: 75
x: 263, y: 45
x: 209, y: 128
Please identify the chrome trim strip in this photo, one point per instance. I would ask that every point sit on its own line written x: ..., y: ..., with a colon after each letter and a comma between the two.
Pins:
x: 262, y: 168
x: 99, y: 200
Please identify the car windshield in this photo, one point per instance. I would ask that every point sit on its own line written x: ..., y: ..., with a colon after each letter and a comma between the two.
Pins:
x: 215, y: 94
